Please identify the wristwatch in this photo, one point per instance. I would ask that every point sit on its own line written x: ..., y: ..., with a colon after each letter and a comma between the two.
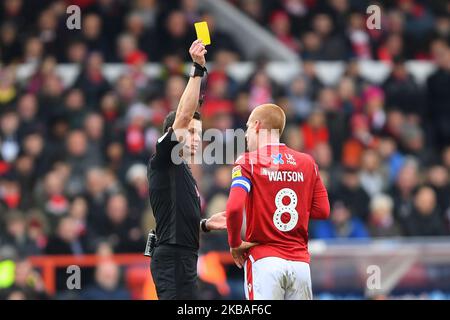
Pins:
x: 203, y: 225
x: 197, y: 70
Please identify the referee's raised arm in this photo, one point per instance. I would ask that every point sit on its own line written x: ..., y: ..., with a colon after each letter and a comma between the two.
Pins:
x: 178, y: 125
x: 189, y: 100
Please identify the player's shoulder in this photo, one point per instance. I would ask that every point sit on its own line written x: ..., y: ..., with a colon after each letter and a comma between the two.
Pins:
x: 245, y: 159
x: 302, y: 156
x: 304, y: 160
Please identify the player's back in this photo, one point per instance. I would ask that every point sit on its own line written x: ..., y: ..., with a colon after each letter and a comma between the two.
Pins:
x: 279, y: 204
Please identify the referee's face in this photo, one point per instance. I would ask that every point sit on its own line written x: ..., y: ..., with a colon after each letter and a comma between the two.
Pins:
x: 193, y: 141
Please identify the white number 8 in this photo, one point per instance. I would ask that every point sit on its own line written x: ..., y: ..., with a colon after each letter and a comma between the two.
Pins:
x: 281, y: 208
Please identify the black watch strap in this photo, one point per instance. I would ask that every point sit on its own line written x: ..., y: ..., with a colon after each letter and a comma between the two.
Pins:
x: 197, y: 70
x: 203, y: 225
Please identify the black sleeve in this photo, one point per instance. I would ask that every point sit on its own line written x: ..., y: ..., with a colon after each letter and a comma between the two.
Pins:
x: 164, y: 146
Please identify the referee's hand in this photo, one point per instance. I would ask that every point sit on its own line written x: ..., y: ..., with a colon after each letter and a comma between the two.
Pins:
x: 217, y: 221
x: 197, y: 52
x: 240, y: 253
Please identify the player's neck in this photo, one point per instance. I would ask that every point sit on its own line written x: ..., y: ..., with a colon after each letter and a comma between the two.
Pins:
x: 271, y: 142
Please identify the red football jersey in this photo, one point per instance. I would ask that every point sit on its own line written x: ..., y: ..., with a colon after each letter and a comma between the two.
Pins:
x: 284, y: 187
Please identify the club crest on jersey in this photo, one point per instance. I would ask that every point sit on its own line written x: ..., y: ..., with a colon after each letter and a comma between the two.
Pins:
x: 237, y: 172
x: 277, y: 159
x: 290, y: 159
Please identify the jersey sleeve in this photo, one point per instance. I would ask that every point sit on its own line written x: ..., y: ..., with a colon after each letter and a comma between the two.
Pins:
x: 241, y: 185
x: 320, y: 206
x: 164, y: 146
x: 241, y: 173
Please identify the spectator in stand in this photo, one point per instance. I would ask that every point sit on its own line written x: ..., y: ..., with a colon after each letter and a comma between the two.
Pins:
x: 54, y: 202
x: 93, y: 36
x: 107, y: 284
x: 323, y: 155
x: 300, y: 99
x: 8, y: 89
x: 315, y: 131
x: 439, y: 95
x: 9, y: 129
x: 79, y: 159
x: 350, y: 192
x: 254, y: 9
x: 29, y: 280
x: 79, y: 212
x: 333, y: 45
x: 373, y: 99
x: 91, y: 80
x: 392, y: 47
x: 66, y: 241
x: 11, y: 196
x: 143, y: 37
x: 51, y: 96
x: 33, y: 51
x: 16, y: 235
x: 176, y: 35
x: 341, y: 225
x: 261, y: 89
x: 96, y: 197
x: 349, y: 100
x: 402, y: 92
x: 137, y: 188
x: 358, y: 36
x: 94, y: 128
x: 47, y: 25
x: 75, y: 108
x: 224, y: 44
x: 281, y: 28
x: 381, y: 221
x: 10, y: 45
x: 13, y: 10
x: 26, y: 178
x: 111, y: 14
x: 426, y: 218
x: 360, y: 139
x: 76, y: 52
x: 311, y: 46
x: 392, y: 159
x: 27, y: 109
x: 310, y: 72
x: 438, y: 178
x: 335, y: 119
x: 120, y: 227
x: 403, y: 191
x: 372, y: 178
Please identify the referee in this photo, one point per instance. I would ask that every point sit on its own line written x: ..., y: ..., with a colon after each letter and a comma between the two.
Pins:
x: 174, y: 196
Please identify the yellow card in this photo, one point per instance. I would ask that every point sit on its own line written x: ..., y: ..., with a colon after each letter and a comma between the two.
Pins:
x: 202, y: 32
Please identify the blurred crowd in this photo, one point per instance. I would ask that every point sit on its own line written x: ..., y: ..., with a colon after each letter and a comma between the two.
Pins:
x: 336, y: 29
x: 73, y: 158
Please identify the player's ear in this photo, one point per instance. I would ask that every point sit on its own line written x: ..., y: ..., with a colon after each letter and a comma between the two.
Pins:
x: 257, y: 126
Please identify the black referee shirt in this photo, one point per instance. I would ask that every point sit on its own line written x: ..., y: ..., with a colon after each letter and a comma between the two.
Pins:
x: 173, y: 196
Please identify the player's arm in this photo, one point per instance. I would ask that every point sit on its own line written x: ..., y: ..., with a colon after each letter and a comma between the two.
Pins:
x: 189, y: 99
x: 320, y: 206
x: 240, y: 186
x: 185, y: 112
x: 235, y: 208
x: 234, y: 214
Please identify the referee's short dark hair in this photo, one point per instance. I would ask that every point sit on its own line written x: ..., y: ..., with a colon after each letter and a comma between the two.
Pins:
x: 170, y: 119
